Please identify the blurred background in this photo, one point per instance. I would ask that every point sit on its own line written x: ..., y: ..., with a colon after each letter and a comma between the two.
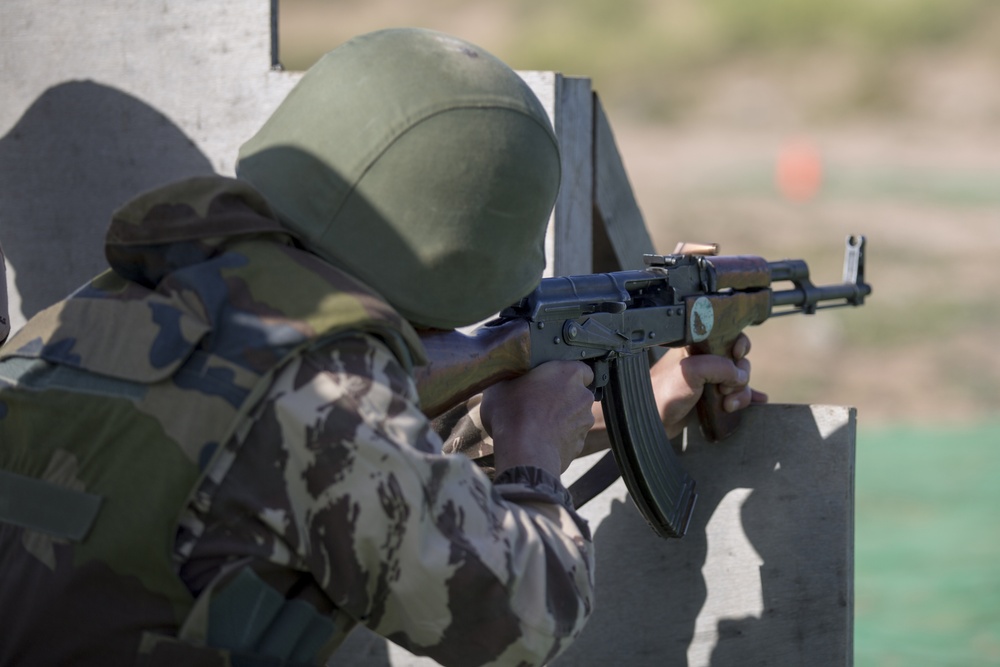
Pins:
x: 777, y: 128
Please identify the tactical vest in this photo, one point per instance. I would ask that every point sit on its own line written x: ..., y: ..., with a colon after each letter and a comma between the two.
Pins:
x: 112, y: 404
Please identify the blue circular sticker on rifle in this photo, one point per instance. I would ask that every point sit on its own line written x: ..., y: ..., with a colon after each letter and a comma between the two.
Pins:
x: 702, y: 319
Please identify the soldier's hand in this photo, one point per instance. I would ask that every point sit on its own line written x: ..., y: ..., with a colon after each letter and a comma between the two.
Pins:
x: 679, y: 379
x: 541, y: 418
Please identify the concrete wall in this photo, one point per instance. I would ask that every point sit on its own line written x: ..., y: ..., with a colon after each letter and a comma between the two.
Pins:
x: 105, y: 98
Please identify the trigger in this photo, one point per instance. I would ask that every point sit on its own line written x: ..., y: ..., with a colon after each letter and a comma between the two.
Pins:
x: 600, y: 368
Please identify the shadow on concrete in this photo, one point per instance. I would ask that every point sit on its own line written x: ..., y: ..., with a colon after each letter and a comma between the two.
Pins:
x: 651, y: 592
x: 77, y: 153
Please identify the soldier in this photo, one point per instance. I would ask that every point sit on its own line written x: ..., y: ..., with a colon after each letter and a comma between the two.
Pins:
x: 214, y: 452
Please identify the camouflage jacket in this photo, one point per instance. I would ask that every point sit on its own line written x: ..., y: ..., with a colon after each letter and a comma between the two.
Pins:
x: 253, y: 441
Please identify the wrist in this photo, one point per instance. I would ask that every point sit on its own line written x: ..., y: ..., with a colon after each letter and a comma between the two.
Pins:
x: 551, y: 465
x: 515, y: 452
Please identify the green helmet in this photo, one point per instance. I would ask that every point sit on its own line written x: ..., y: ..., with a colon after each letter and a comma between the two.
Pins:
x: 419, y: 163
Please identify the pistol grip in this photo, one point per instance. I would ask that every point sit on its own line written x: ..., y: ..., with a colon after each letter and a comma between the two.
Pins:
x: 716, y: 423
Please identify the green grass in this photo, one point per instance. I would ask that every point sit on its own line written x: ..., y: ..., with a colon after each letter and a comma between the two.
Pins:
x: 927, y: 547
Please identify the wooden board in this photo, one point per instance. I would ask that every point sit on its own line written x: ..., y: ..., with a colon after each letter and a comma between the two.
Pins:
x: 568, y: 103
x: 621, y: 237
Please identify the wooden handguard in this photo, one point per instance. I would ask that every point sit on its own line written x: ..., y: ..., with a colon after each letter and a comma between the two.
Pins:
x: 749, y: 303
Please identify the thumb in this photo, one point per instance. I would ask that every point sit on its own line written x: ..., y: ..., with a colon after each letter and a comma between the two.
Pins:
x: 702, y: 369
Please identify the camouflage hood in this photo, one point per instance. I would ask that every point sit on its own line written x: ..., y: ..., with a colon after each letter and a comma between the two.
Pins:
x: 418, y: 163
x: 184, y: 223
x: 169, y: 231
x: 204, y: 258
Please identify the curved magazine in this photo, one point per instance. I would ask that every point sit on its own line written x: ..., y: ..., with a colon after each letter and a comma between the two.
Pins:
x: 659, y: 485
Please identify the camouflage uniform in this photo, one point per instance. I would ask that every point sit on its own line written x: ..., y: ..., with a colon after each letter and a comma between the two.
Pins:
x: 218, y: 444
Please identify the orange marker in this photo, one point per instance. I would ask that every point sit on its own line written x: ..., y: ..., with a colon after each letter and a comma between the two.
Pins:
x: 799, y: 171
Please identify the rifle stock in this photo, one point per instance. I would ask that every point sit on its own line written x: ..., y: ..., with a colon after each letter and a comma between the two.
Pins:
x: 462, y: 365
x: 612, y: 320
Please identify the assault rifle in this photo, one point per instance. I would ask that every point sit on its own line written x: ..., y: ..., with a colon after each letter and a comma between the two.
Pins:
x: 693, y: 297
